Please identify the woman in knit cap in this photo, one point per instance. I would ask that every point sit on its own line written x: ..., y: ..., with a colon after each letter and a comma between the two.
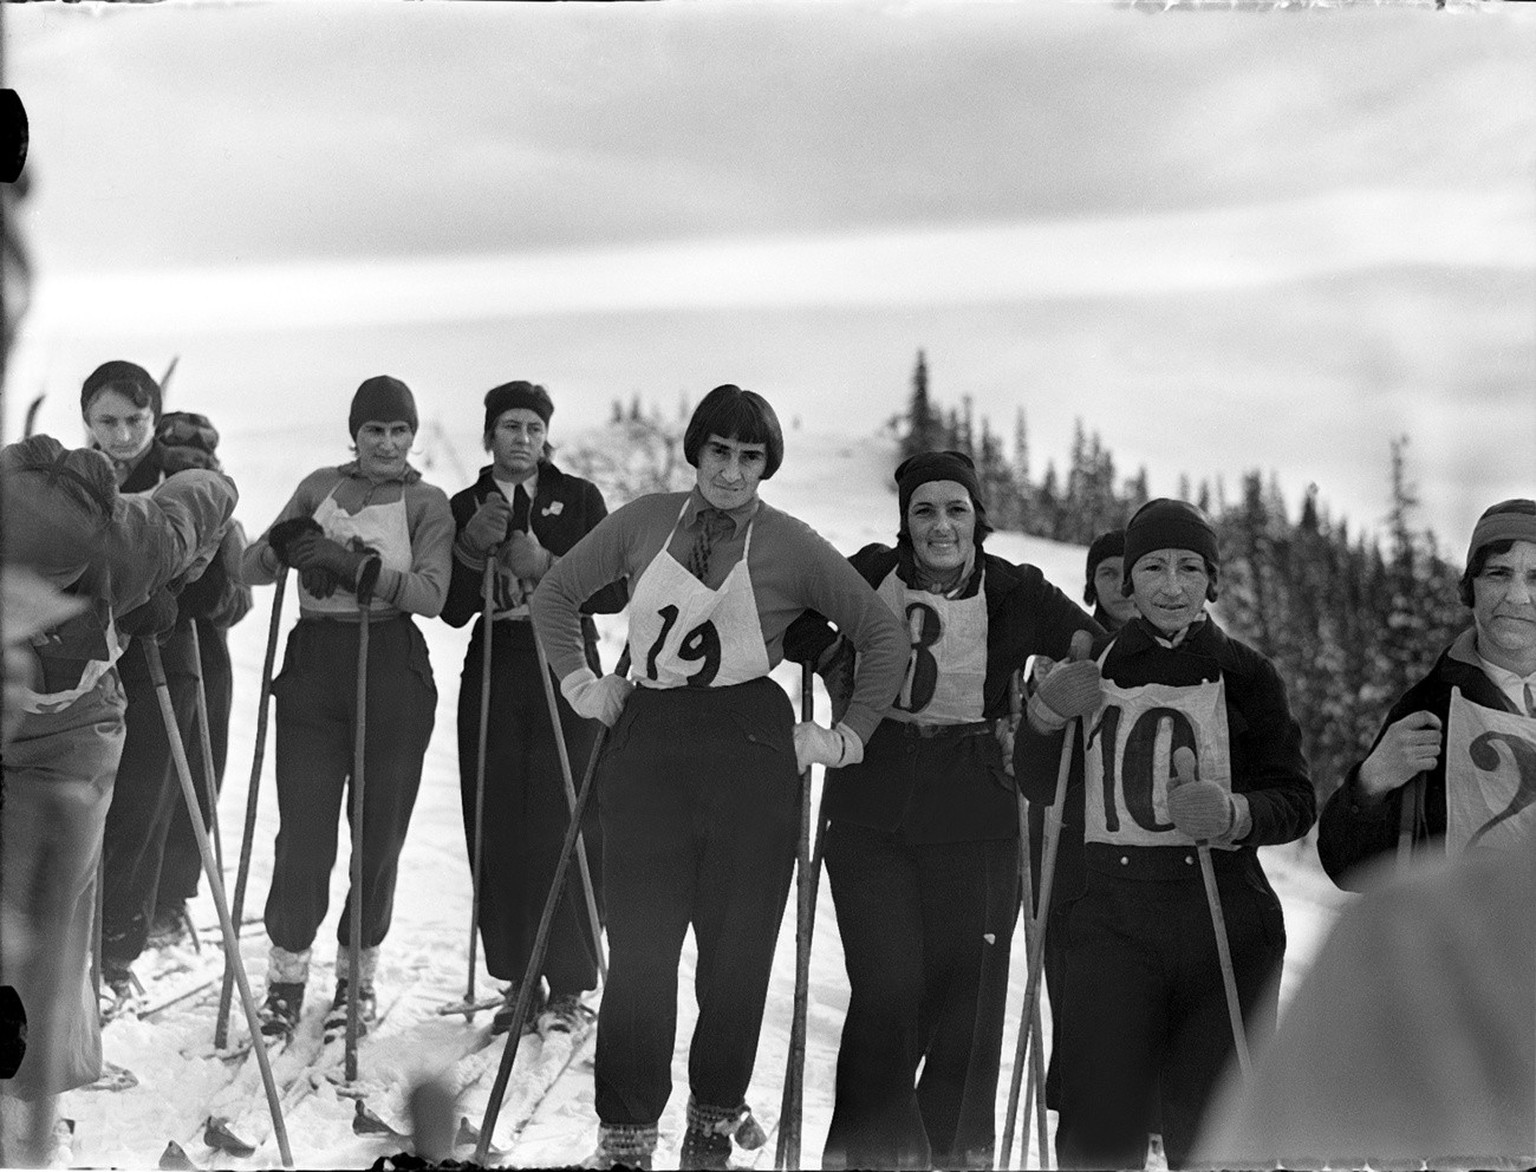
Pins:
x: 523, y: 513
x: 368, y: 533
x: 1105, y: 571
x: 1485, y: 680
x: 1144, y: 1003
x: 120, y: 404
x: 697, y: 786
x: 922, y: 846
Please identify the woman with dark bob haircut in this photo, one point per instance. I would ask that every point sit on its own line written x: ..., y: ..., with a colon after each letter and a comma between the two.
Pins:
x: 696, y: 788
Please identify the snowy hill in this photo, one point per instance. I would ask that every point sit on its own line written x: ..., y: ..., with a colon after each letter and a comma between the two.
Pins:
x: 841, y: 486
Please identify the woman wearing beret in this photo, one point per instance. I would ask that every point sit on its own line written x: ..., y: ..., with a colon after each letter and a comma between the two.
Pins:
x: 697, y: 786
x: 373, y: 529
x: 523, y: 512
x: 149, y: 854
x: 922, y: 844
x: 1145, y: 1005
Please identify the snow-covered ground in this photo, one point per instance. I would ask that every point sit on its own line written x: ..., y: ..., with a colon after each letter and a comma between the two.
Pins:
x: 841, y: 485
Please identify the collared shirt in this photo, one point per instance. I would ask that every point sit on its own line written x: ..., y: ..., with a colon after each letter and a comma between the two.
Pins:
x: 508, y: 488
x: 1517, y: 688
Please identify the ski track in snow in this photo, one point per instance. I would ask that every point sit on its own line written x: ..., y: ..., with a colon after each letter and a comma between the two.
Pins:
x: 425, y: 953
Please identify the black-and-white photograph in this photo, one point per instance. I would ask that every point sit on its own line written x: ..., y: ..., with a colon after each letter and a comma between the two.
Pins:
x: 897, y: 584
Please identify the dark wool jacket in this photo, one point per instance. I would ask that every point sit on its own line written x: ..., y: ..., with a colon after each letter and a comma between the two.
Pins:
x: 1354, y: 830
x: 564, y: 509
x: 217, y: 600
x: 1264, y: 739
x: 947, y: 789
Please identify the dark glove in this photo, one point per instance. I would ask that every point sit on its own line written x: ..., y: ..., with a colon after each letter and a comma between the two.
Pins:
x: 282, y: 536
x: 488, y: 527
x: 318, y: 581
x: 351, y: 569
x: 152, y: 619
x: 526, y: 557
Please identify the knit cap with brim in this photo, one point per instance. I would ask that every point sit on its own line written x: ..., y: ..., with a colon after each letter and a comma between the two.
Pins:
x: 381, y: 399
x: 124, y: 377
x: 1511, y: 520
x: 499, y: 400
x: 1168, y: 524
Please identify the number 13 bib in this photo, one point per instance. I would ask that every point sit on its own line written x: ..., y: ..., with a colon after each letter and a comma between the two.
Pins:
x: 1129, y: 757
x: 683, y: 634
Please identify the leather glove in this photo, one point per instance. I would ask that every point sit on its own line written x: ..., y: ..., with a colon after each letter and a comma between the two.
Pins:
x: 1406, y: 749
x: 1065, y: 690
x: 152, y: 619
x: 282, y: 535
x: 488, y: 527
x: 525, y: 557
x: 596, y: 697
x: 1201, y: 809
x: 318, y: 581
x: 831, y: 747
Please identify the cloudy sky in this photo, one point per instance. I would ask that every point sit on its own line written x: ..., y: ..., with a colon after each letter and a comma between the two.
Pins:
x: 1223, y: 240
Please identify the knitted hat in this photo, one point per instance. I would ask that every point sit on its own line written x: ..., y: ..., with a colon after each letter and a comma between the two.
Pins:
x: 1105, y: 545
x: 927, y: 466
x: 1169, y: 524
x: 516, y: 394
x: 1511, y: 520
x: 381, y: 399
x: 129, y: 379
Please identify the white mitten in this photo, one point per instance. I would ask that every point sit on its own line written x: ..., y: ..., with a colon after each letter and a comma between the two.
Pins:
x: 832, y: 747
x: 596, y: 698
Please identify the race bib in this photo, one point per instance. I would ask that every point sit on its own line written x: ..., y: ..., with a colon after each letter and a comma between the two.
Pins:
x: 1490, y: 778
x: 947, y: 666
x: 1129, y: 758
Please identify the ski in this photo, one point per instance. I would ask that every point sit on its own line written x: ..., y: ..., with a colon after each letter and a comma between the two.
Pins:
x: 541, y: 1062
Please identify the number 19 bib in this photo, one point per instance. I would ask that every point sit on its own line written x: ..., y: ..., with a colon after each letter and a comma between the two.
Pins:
x: 1129, y: 756
x: 683, y: 634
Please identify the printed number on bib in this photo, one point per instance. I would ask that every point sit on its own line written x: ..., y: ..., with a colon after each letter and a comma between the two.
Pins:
x: 1136, y: 777
x: 702, y: 644
x: 922, y: 669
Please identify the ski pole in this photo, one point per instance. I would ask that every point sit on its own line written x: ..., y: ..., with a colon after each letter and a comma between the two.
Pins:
x: 788, y: 1154
x: 1034, y: 1091
x: 1184, y: 769
x: 1036, y: 950
x: 541, y: 941
x: 1407, y: 820
x: 557, y: 725
x: 221, y: 1027
x: 232, y: 959
x: 205, y: 739
x: 487, y: 608
x: 355, y: 898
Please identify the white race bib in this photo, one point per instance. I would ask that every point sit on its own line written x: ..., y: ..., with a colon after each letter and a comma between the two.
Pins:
x: 947, y: 669
x: 1490, y: 778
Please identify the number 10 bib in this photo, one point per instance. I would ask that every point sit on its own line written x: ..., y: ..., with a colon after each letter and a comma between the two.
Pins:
x: 1129, y: 756
x: 683, y: 634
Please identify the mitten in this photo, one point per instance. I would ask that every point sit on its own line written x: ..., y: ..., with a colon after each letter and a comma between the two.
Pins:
x: 596, y: 697
x: 319, y: 581
x: 488, y: 527
x: 831, y: 747
x: 1201, y: 809
x: 283, y: 534
x: 527, y: 560
x: 1066, y: 690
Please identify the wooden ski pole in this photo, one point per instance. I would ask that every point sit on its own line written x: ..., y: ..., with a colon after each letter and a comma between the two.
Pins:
x: 233, y: 962
x: 1184, y: 764
x: 205, y: 740
x: 1034, y: 1091
x: 355, y: 896
x: 1036, y: 950
x: 555, y: 723
x: 221, y: 1026
x: 1408, y: 818
x: 487, y: 608
x: 791, y: 1109
x: 540, y: 943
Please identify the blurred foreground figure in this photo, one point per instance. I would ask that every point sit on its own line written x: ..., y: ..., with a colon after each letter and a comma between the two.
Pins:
x: 1412, y: 1038
x: 120, y: 556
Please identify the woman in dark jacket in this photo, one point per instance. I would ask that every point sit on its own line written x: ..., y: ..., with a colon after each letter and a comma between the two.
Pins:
x: 524, y: 512
x: 1144, y: 1000
x: 121, y: 406
x: 922, y: 845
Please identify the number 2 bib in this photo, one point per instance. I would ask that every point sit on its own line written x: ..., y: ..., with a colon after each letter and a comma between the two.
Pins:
x: 947, y: 669
x: 683, y: 634
x: 1129, y: 755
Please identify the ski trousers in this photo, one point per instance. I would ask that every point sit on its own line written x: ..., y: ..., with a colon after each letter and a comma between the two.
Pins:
x: 316, y: 718
x: 145, y: 799
x: 926, y: 930
x: 526, y: 813
x: 1144, y: 1005
x: 58, y: 784
x: 699, y: 801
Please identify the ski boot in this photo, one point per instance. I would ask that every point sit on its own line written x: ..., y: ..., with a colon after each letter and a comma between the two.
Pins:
x: 564, y: 1013
x: 119, y: 991
x: 623, y: 1145
x: 172, y: 925
x: 367, y: 1010
x: 280, y: 1015
x: 707, y: 1142
x: 502, y: 1022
